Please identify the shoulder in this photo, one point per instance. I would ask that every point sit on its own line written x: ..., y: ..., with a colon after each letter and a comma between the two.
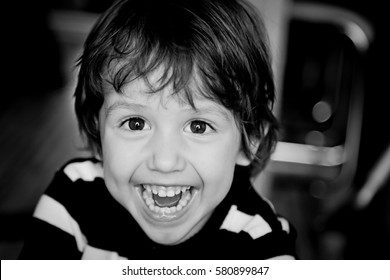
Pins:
x: 255, y: 225
x: 74, y: 179
x: 254, y: 222
x: 255, y: 216
x: 71, y: 188
x: 61, y: 208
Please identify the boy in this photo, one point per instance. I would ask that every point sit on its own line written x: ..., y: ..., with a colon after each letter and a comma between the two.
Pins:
x: 175, y: 100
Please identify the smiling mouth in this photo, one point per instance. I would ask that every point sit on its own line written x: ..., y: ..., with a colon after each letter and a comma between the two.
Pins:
x: 166, y: 201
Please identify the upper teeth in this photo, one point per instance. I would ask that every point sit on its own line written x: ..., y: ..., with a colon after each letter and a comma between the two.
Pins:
x: 165, y: 191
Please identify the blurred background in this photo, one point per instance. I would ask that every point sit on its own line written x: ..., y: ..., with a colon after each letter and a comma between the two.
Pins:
x: 329, y: 173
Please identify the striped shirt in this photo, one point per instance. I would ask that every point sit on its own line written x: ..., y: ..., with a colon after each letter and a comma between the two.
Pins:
x: 77, y: 218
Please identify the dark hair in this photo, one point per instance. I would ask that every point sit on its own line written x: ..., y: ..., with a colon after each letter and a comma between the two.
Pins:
x: 222, y: 42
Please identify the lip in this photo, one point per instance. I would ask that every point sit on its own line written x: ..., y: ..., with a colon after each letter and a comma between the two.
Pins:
x: 165, y: 218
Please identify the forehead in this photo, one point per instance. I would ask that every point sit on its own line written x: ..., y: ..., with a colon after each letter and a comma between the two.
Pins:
x: 158, y: 85
x: 136, y: 96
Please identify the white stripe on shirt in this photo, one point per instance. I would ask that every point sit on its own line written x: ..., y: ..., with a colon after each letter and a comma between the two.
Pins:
x: 92, y: 253
x: 237, y: 221
x: 86, y: 171
x: 54, y: 213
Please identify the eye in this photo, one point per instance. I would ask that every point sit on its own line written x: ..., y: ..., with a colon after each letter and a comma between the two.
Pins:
x: 136, y: 123
x: 198, y: 127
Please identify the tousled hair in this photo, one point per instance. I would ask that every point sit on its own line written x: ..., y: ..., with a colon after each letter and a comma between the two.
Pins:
x: 223, y: 43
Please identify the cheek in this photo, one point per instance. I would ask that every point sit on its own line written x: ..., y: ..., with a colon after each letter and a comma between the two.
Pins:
x: 217, y: 184
x: 118, y: 159
x: 221, y: 156
x: 216, y: 166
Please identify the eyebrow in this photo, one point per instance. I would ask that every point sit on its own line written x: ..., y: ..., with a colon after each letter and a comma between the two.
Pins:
x: 123, y: 105
x: 205, y: 109
x: 212, y: 109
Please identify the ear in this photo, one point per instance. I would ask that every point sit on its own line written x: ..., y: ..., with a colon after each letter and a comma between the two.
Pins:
x: 254, y: 144
x: 242, y: 158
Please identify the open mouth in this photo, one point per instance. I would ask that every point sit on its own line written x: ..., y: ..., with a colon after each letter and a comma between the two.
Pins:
x: 166, y: 201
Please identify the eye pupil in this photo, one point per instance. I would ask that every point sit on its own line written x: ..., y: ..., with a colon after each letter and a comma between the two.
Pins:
x: 198, y: 127
x: 136, y: 124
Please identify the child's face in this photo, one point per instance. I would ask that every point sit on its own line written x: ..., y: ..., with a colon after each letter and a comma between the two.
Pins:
x: 168, y: 164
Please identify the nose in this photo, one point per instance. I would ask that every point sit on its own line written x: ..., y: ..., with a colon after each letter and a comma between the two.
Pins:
x: 167, y: 153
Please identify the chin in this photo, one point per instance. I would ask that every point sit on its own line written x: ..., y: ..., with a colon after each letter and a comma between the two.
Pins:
x: 168, y: 237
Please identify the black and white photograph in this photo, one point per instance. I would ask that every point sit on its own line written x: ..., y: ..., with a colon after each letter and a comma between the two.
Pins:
x: 195, y: 130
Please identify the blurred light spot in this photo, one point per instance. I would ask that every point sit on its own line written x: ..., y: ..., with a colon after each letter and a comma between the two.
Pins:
x: 315, y: 138
x: 321, y: 111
